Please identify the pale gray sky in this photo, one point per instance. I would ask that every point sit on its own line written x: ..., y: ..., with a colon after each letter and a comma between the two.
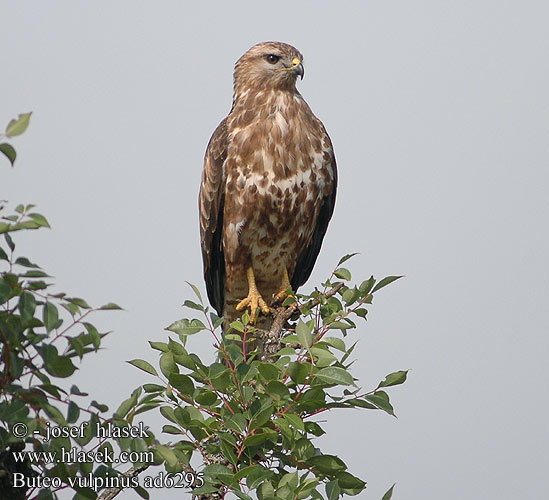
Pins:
x: 438, y: 111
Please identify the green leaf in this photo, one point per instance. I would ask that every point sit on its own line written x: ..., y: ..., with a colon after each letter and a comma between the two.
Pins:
x: 186, y: 327
x: 167, y: 364
x: 256, y: 439
x: 366, y: 286
x: 385, y: 282
x: 182, y: 383
x: 395, y: 378
x: 323, y: 357
x: 50, y: 316
x: 73, y: 413
x: 332, y: 490
x: 27, y: 306
x: 314, y: 429
x: 349, y: 352
x: 54, y: 414
x: 261, y: 417
x: 335, y: 375
x: 9, y: 241
x: 348, y: 481
x: 35, y: 274
x: 349, y: 296
x: 339, y: 325
x: 389, y: 494
x: 126, y: 405
x: 307, y: 487
x: 142, y: 492
x: 265, y: 491
x: 19, y: 125
x: 101, y: 407
x: 60, y: 367
x: 218, y: 472
x: 143, y: 365
x: 256, y: 476
x: 159, y: 346
x: 196, y: 292
x: 236, y: 422
x: 206, y: 398
x: 268, y: 371
x: 23, y: 261
x: 204, y: 490
x: 193, y: 305
x: 168, y: 455
x: 171, y: 429
x: 110, y: 306
x: 361, y: 313
x: 153, y: 388
x: 299, y: 371
x: 345, y: 258
x: 76, y: 391
x: 240, y: 495
x: 343, y: 273
x: 9, y: 151
x: 335, y: 342
x: 327, y: 464
x: 381, y: 400
x: 39, y: 219
x: 238, y: 326
x: 295, y: 421
x: 228, y: 451
x: 360, y: 403
x: 78, y: 302
x: 303, y: 332
x: 278, y: 390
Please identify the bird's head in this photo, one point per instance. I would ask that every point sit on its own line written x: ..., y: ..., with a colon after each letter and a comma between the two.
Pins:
x: 269, y: 65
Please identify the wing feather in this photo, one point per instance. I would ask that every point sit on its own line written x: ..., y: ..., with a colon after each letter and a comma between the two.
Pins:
x: 210, y: 204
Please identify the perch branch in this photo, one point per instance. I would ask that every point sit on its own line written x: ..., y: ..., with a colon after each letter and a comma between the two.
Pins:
x: 272, y: 337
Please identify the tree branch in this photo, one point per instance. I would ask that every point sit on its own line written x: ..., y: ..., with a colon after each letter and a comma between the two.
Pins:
x: 271, y: 338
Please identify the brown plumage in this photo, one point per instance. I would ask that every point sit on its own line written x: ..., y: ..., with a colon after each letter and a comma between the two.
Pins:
x: 268, y: 186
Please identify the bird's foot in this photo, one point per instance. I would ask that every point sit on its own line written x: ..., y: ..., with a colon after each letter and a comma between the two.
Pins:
x: 281, y: 296
x: 285, y: 289
x: 253, y: 301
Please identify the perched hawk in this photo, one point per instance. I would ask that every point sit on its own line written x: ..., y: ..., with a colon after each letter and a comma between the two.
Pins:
x: 268, y: 186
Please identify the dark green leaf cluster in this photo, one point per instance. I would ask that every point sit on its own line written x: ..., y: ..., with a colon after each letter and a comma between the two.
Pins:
x: 43, y: 337
x: 253, y: 419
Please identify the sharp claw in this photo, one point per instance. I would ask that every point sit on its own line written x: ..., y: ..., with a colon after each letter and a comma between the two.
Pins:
x: 253, y: 301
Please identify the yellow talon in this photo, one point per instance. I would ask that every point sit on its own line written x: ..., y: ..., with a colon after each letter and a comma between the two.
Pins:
x: 283, y: 293
x: 254, y: 298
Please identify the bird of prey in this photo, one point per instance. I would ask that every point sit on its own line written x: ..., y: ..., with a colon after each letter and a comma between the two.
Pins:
x: 268, y: 187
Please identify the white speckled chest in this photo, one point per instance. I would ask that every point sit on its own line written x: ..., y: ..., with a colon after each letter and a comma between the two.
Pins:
x: 277, y: 174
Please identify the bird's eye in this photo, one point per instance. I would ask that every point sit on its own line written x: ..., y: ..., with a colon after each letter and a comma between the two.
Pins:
x: 271, y: 58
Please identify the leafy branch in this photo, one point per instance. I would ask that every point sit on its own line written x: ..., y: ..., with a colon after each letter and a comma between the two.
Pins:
x: 250, y: 415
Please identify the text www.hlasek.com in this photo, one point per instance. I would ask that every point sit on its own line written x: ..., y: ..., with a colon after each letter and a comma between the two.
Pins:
x: 79, y: 456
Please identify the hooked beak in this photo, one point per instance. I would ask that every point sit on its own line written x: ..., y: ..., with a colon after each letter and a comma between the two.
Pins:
x: 297, y: 67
